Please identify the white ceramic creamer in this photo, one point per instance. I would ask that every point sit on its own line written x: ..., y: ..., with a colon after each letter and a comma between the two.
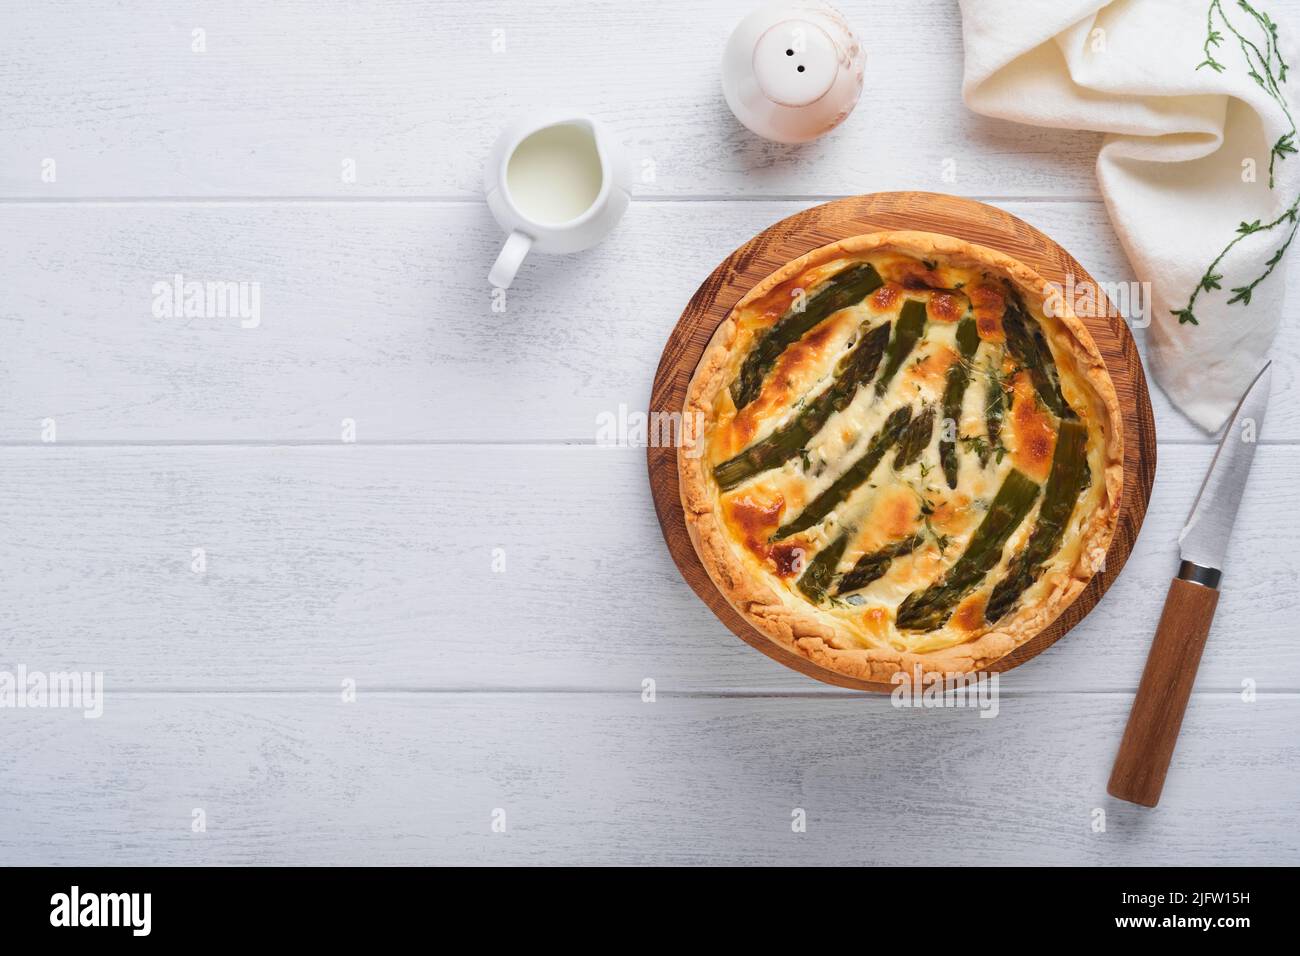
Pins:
x: 557, y: 182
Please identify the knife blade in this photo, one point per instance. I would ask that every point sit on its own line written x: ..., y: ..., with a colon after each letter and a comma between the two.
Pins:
x: 1157, y: 715
x: 1203, y: 542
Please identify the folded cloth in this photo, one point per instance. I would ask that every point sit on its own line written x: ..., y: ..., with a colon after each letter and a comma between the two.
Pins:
x: 1198, y: 170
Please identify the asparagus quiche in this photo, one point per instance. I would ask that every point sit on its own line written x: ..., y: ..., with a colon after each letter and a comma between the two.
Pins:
x: 901, y: 450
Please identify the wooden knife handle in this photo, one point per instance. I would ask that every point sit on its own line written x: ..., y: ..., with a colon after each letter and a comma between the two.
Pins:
x: 1157, y: 715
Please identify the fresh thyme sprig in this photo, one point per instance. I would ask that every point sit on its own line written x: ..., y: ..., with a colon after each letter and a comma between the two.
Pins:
x: 1268, y: 69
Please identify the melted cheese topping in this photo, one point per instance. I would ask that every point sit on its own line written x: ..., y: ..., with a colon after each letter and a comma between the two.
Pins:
x: 897, y: 503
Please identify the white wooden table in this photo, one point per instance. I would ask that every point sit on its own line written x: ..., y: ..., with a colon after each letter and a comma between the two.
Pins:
x: 505, y: 679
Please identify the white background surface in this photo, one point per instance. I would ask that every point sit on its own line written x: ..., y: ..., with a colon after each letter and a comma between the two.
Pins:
x: 372, y: 562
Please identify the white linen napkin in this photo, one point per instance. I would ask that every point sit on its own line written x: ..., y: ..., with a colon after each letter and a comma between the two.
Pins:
x: 1199, y: 171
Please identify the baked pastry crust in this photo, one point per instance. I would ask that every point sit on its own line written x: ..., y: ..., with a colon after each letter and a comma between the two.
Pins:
x: 834, y: 637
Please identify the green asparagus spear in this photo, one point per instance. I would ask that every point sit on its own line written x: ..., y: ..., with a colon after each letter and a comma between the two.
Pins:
x: 931, y: 608
x: 851, y: 372
x: 968, y: 341
x: 994, y: 408
x: 911, y: 323
x: 873, y: 566
x: 816, y: 578
x: 848, y: 482
x: 1067, y: 479
x: 1054, y: 375
x: 1028, y: 345
x: 915, y: 439
x: 843, y: 290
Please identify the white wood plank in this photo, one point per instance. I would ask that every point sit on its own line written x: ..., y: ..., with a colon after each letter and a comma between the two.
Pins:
x: 381, y: 313
x: 404, y: 779
x: 414, y: 93
x: 323, y: 563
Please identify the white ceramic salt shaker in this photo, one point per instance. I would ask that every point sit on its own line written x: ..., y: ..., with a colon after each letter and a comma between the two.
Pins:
x: 792, y: 70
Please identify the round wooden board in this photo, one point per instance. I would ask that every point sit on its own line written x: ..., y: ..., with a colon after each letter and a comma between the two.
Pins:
x: 931, y: 212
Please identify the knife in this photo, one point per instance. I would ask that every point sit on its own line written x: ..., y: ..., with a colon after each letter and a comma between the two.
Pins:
x: 1148, y: 745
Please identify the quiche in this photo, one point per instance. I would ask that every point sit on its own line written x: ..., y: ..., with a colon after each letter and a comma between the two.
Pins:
x: 901, y: 451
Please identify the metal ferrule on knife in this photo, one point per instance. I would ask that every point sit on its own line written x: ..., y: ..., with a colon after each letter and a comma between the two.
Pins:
x: 1197, y: 574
